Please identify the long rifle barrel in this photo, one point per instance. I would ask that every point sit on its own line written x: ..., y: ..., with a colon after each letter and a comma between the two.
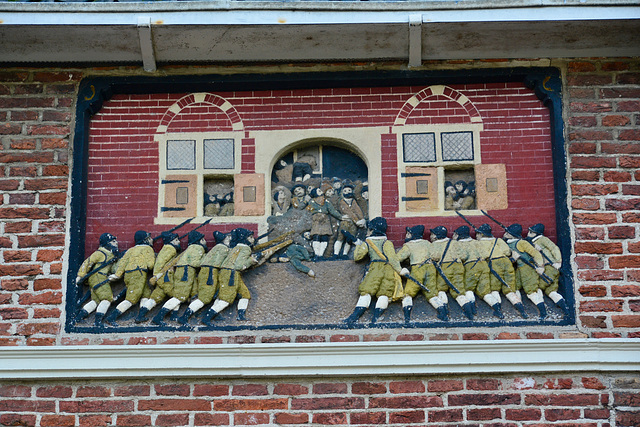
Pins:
x: 200, y: 226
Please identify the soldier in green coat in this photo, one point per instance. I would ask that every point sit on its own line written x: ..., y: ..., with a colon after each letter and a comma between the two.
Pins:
x: 99, y: 284
x: 207, y: 283
x: 184, y: 275
x: 162, y: 276
x: 474, y: 271
x: 382, y: 279
x: 134, y: 266
x: 502, y: 276
x: 553, y: 262
x: 419, y: 252
x: 529, y: 266
x: 450, y: 257
x: 230, y: 280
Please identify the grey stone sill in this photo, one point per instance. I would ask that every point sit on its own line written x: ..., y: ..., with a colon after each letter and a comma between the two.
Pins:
x: 327, y: 359
x: 334, y: 5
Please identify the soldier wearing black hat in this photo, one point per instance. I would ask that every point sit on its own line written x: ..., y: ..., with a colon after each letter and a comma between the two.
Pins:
x: 207, y: 283
x: 529, y: 266
x: 163, y: 280
x: 230, y: 280
x: 134, y: 266
x: 382, y: 279
x: 184, y: 276
x: 419, y: 252
x: 553, y: 262
x: 102, y: 297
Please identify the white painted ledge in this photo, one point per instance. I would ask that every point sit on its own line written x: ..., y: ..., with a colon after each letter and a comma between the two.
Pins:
x: 330, y: 359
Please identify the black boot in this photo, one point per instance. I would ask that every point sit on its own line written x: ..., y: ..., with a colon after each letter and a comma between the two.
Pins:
x: 407, y: 314
x: 174, y: 315
x: 563, y: 306
x: 98, y: 320
x: 446, y: 310
x: 209, y: 316
x: 184, y: 319
x: 474, y: 308
x: 543, y: 310
x: 520, y: 307
x: 82, y: 314
x: 111, y: 318
x: 357, y: 312
x: 497, y: 310
x: 241, y: 314
x: 142, y: 315
x: 442, y: 313
x: 468, y: 311
x: 158, y: 319
x: 376, y: 314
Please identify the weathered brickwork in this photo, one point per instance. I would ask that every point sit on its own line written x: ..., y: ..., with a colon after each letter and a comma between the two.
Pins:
x: 602, y: 110
x: 586, y: 401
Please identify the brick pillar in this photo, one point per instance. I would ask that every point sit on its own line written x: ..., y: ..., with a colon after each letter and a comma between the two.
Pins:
x: 248, y: 155
x: 389, y: 157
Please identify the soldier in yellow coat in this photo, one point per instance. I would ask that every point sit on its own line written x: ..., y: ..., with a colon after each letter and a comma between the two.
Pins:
x: 207, y: 282
x: 134, y: 266
x: 529, y: 266
x: 102, y: 296
x: 502, y: 277
x: 450, y: 258
x: 164, y: 280
x: 419, y: 252
x: 230, y: 280
x: 382, y: 279
x: 184, y: 275
x: 553, y: 262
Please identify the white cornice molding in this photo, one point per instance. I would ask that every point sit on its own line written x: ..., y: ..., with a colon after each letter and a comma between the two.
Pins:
x: 330, y: 359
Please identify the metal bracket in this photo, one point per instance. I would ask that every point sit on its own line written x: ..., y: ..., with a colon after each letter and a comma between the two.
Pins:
x: 146, y: 44
x: 415, y: 40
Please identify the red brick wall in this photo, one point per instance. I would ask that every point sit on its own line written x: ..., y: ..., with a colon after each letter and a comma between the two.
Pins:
x: 585, y: 401
x: 602, y: 107
x: 123, y: 157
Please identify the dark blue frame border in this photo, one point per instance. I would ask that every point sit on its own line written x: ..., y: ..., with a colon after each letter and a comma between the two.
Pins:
x: 93, y: 92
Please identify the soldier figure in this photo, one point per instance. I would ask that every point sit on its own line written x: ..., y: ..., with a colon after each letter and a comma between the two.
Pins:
x: 295, y: 254
x: 419, y: 253
x: 352, y: 218
x: 102, y: 296
x: 382, y: 279
x: 449, y: 257
x: 551, y: 253
x: 134, y: 265
x: 230, y: 280
x: 529, y: 266
x: 473, y: 273
x: 321, y: 229
x: 163, y: 277
x: 208, y: 276
x: 184, y: 276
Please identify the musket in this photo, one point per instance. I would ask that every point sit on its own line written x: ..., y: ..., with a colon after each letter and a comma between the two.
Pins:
x: 182, y: 224
x: 266, y: 253
x: 417, y: 282
x: 200, y: 226
x: 446, y: 279
x: 494, y: 220
x: 265, y: 245
x: 544, y: 277
x: 100, y: 267
x: 466, y: 220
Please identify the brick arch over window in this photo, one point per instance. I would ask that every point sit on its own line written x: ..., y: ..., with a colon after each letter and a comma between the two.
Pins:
x: 201, y: 98
x: 437, y: 90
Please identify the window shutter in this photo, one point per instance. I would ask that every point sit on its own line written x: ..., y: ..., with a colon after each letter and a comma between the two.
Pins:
x: 248, y: 194
x: 421, y: 192
x: 491, y: 186
x: 180, y: 198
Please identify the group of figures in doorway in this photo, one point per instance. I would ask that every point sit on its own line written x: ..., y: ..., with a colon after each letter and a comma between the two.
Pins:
x: 318, y: 209
x: 442, y: 268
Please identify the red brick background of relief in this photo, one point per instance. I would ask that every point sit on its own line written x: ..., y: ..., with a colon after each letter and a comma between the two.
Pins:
x: 123, y: 157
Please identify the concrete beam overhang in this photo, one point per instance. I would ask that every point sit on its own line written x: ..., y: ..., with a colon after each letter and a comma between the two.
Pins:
x: 245, y: 31
x: 327, y: 359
